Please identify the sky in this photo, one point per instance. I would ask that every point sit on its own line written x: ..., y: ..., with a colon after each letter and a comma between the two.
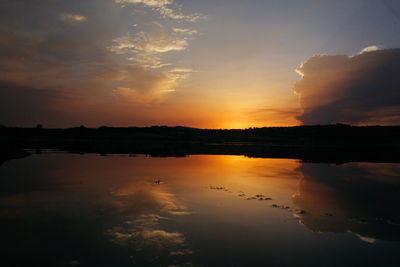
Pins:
x: 206, y: 64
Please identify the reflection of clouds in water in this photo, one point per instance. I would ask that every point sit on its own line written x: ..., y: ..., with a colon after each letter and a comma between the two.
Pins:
x: 361, y: 198
x: 180, y: 212
x: 181, y: 252
x: 171, y: 205
x: 164, y: 201
x: 134, y: 210
x: 146, y: 237
x: 144, y: 233
x: 149, y: 220
x: 366, y: 239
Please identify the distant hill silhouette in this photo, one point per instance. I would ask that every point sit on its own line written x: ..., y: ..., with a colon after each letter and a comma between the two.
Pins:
x: 320, y: 143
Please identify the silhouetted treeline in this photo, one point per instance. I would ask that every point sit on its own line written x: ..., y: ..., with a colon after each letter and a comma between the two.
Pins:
x: 331, y: 143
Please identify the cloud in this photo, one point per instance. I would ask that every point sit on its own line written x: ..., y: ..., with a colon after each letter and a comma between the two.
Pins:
x: 369, y: 49
x: 72, y: 17
x: 151, y: 3
x: 146, y: 50
x: 181, y: 70
x: 163, y: 7
x: 185, y: 31
x: 139, y: 85
x: 360, y: 89
x: 68, y: 53
x: 148, y: 43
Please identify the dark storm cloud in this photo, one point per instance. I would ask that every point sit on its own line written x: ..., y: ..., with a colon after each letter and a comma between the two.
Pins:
x: 362, y: 89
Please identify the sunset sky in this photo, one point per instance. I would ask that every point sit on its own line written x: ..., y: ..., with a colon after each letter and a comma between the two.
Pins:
x: 199, y: 63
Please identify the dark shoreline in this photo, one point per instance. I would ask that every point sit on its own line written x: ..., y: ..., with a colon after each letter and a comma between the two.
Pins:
x: 327, y: 143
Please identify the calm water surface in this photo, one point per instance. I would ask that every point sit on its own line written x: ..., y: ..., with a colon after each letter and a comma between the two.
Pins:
x: 90, y: 210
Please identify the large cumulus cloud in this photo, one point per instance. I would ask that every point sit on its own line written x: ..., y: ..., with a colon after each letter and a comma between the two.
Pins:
x: 360, y: 89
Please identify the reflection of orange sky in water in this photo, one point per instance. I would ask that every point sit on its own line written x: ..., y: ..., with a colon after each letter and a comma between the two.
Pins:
x: 124, y: 184
x: 121, y: 189
x: 186, y: 177
x: 194, y: 173
x: 120, y: 194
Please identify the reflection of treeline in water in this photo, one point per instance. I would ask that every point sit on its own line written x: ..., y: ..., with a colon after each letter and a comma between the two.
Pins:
x: 330, y: 143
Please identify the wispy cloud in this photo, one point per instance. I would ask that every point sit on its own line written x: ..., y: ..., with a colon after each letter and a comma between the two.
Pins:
x: 166, y: 8
x: 72, y: 17
x: 146, y: 45
x: 181, y: 70
x: 119, y: 61
x: 151, y: 3
x: 144, y: 42
x: 145, y: 51
x: 185, y: 31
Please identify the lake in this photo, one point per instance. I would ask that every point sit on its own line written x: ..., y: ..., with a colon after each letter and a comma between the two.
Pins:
x: 60, y: 209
